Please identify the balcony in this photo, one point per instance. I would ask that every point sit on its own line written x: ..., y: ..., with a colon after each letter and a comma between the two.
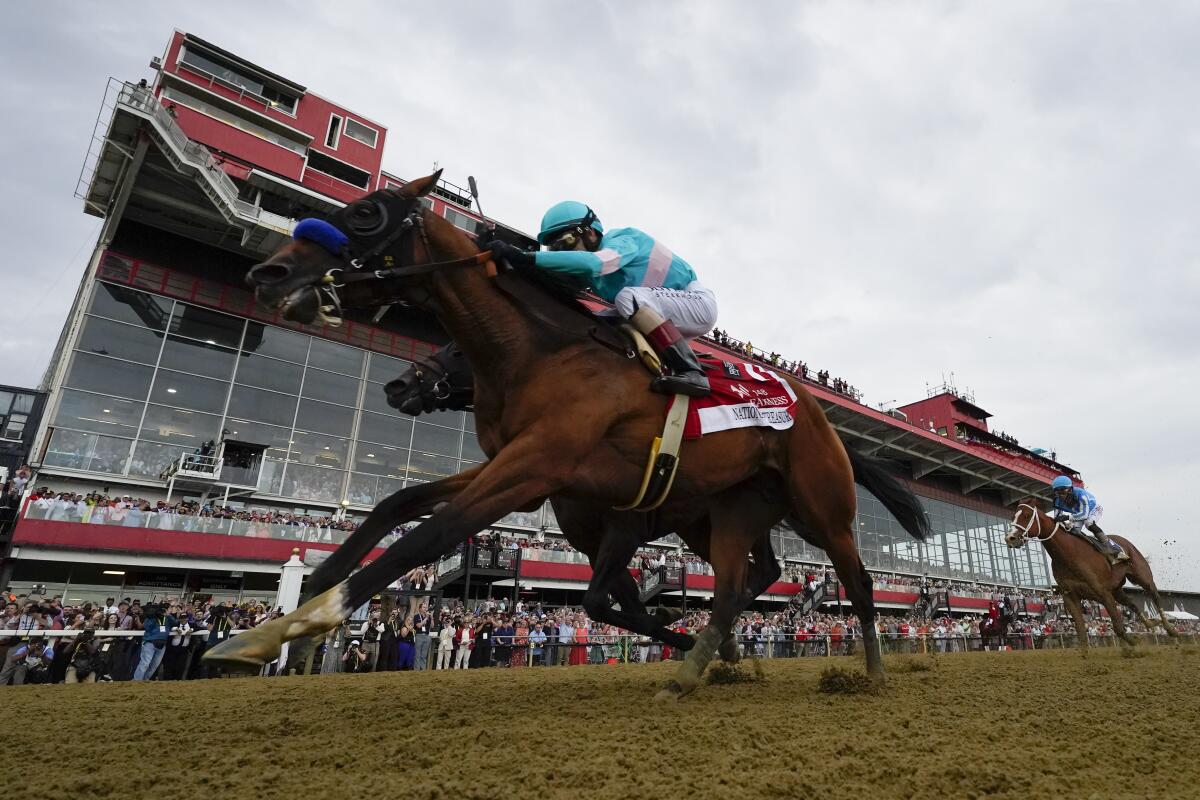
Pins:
x: 129, y: 109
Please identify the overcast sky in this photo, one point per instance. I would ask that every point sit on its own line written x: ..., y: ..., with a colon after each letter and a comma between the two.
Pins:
x: 894, y: 192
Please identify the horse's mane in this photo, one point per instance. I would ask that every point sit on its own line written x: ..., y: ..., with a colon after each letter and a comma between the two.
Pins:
x: 562, y: 290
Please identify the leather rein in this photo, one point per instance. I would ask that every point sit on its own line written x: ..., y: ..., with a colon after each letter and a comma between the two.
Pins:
x: 358, y: 271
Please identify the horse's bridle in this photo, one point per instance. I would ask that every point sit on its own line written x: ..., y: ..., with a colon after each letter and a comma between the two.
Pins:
x: 1035, y: 518
x: 358, y: 264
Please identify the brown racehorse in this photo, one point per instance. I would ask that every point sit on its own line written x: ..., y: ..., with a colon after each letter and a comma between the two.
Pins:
x: 1082, y: 573
x: 558, y: 414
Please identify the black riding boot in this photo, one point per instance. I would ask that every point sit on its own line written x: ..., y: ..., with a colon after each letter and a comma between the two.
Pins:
x: 687, y: 376
x: 1115, y: 553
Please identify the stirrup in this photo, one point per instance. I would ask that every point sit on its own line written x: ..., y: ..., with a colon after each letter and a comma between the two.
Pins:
x: 692, y: 384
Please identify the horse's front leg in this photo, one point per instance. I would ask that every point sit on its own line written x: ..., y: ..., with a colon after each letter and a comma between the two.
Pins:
x: 519, y: 475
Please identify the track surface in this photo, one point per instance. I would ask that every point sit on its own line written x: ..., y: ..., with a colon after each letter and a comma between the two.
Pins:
x: 997, y: 725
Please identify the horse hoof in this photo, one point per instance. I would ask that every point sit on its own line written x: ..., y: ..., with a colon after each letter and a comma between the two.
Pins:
x: 729, y: 651
x: 245, y: 651
x: 680, y: 641
x: 667, y: 616
x: 669, y: 693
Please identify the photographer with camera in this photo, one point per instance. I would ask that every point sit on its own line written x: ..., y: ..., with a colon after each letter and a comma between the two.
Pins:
x: 369, y: 634
x: 355, y: 658
x: 156, y: 626
x: 29, y: 661
x: 82, y: 658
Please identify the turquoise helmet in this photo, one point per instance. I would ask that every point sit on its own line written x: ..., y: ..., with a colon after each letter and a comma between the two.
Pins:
x: 564, y: 215
x: 1061, y: 482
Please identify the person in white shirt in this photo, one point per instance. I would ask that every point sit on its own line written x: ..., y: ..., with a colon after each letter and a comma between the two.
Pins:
x: 445, y: 639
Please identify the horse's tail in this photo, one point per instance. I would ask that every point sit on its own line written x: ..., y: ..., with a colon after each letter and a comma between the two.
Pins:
x: 895, y: 496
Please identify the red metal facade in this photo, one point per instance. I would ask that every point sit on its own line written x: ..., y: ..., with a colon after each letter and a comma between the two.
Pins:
x: 311, y: 119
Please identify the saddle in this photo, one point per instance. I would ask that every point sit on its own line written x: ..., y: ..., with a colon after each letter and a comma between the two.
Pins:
x: 1091, y: 540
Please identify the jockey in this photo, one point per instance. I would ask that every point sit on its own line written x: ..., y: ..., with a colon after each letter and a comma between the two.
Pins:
x: 1077, y: 508
x: 649, y: 285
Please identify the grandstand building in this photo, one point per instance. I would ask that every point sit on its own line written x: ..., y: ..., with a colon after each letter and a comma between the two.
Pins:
x: 168, y: 384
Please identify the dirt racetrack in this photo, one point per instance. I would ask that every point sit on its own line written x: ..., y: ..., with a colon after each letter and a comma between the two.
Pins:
x: 998, y: 725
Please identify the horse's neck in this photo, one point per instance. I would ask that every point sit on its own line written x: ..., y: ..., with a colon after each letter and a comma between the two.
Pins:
x: 492, y: 332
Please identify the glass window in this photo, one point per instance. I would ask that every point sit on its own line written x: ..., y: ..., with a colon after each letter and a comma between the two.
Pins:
x: 471, y: 450
x: 330, y: 387
x: 429, y: 467
x: 175, y: 426
x: 336, y: 357
x: 313, y: 483
x: 189, y: 391
x: 384, y: 369
x: 267, y: 340
x: 200, y: 358
x: 268, y: 373
x: 6, y: 400
x: 150, y: 459
x: 127, y: 305
x: 363, y: 489
x: 243, y: 430
x: 207, y: 326
x: 87, y: 451
x: 94, y: 412
x: 324, y: 417
x: 262, y: 406
x: 270, y: 479
x: 109, y: 376
x: 432, y: 439
x: 319, y: 449
x: 386, y: 430
x: 470, y: 422
x: 107, y: 338
x: 449, y: 419
x: 361, y: 133
x: 15, y: 427
x: 381, y: 460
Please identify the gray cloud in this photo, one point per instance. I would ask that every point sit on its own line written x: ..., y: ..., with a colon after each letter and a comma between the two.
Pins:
x: 891, y: 191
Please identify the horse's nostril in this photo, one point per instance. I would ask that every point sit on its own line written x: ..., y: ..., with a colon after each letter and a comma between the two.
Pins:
x: 268, y: 273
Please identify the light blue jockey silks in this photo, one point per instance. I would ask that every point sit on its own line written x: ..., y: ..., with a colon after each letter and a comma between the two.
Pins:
x: 1080, y: 507
x: 627, y: 257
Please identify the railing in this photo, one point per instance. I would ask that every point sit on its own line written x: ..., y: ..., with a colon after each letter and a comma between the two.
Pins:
x: 119, y: 649
x: 190, y: 523
x: 141, y: 99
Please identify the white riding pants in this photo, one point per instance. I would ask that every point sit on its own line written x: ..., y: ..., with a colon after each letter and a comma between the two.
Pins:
x: 1082, y: 524
x: 693, y: 310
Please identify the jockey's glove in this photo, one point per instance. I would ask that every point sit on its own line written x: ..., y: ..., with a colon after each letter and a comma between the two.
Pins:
x: 503, y: 251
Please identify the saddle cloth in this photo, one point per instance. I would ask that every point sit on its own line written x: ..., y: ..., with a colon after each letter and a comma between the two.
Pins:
x: 743, y: 395
x: 1094, y: 542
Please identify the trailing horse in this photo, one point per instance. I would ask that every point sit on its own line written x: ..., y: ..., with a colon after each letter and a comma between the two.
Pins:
x: 995, y: 628
x: 560, y: 414
x: 1083, y: 573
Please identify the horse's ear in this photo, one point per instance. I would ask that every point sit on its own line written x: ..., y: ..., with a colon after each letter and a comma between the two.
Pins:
x: 421, y: 186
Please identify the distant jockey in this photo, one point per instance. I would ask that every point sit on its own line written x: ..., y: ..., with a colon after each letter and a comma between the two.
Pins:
x: 1077, y: 508
x: 650, y: 286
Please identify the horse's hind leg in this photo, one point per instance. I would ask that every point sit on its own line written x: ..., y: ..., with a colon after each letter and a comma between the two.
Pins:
x: 764, y: 570
x: 729, y: 548
x: 1143, y: 579
x: 1127, y: 601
